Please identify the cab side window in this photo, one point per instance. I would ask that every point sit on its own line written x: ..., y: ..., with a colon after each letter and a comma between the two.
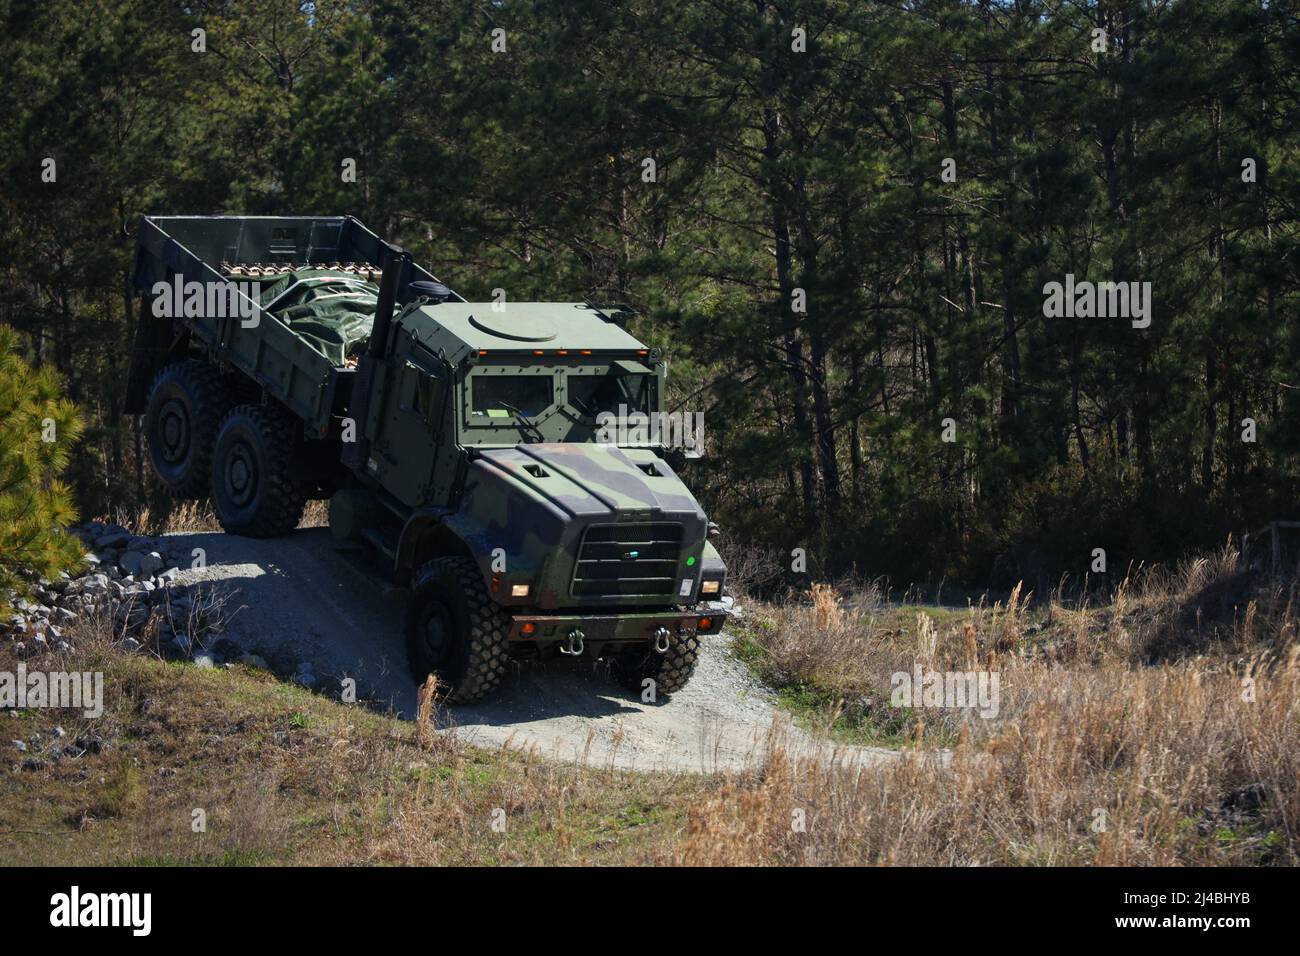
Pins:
x: 420, y: 392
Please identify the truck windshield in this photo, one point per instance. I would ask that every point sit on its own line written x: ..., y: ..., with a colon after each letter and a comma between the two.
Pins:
x: 505, y: 395
x: 593, y: 394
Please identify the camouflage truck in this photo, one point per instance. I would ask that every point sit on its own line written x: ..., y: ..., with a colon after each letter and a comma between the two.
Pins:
x: 460, y: 444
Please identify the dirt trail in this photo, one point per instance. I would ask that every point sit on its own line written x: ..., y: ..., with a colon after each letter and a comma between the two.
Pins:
x: 301, y: 600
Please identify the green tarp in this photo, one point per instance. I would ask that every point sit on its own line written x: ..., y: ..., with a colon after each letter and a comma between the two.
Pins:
x: 331, y: 311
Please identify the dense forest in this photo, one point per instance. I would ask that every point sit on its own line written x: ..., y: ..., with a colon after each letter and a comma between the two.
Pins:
x: 837, y: 219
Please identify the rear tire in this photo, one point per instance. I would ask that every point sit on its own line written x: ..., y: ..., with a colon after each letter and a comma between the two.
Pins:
x: 455, y: 631
x: 186, y: 405
x: 670, y: 670
x: 253, y: 488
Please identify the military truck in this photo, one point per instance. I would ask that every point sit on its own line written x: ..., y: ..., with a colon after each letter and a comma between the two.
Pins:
x: 283, y: 359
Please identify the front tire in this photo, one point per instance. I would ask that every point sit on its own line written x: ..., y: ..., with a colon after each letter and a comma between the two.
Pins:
x: 186, y: 405
x: 670, y: 670
x: 253, y: 488
x: 455, y: 631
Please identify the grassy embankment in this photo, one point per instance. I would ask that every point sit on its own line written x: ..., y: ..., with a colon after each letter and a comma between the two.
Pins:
x: 1162, y: 727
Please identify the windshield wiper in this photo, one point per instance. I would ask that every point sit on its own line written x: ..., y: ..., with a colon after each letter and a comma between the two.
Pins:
x: 523, y: 419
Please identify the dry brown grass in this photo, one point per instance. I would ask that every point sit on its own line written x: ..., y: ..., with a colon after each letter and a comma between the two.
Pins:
x: 1116, y: 742
x: 1112, y: 745
x: 315, y: 515
x: 192, y: 517
x: 1112, y: 766
x: 180, y: 517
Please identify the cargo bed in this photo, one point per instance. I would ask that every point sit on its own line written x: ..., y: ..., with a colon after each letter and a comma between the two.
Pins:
x: 238, y: 249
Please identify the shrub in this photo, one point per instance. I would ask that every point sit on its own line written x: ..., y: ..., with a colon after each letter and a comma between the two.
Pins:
x: 38, y: 428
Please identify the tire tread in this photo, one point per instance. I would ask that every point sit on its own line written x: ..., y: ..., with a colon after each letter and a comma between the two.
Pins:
x: 670, y: 671
x: 284, y: 497
x: 487, y: 624
x: 212, y: 400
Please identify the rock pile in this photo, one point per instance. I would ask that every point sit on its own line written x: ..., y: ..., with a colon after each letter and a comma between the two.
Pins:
x: 129, y: 580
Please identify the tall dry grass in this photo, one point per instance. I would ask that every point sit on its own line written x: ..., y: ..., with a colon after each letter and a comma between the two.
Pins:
x: 1159, y: 728
x: 192, y: 517
x: 1111, y: 766
x: 1162, y: 728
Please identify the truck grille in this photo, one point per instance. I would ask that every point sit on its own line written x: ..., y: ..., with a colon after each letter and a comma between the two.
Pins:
x: 628, y: 560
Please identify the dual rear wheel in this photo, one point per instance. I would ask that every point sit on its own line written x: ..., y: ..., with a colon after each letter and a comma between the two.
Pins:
x: 202, y: 443
x: 254, y: 491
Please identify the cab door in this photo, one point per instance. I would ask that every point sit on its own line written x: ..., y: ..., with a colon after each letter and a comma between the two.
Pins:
x: 406, y: 451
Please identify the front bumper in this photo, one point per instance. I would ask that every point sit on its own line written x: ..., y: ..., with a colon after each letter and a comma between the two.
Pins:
x: 706, y: 618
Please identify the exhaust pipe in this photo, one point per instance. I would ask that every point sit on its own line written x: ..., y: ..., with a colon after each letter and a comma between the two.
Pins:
x: 394, y: 262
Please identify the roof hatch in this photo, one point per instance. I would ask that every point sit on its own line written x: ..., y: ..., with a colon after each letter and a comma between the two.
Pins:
x: 517, y: 327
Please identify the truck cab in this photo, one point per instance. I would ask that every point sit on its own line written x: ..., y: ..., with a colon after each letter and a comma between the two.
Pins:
x: 491, y: 434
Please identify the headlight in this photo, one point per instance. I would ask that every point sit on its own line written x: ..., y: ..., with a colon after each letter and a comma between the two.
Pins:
x: 519, y: 590
x: 710, y: 587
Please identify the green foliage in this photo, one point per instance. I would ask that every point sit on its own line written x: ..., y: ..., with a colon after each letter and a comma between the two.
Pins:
x: 38, y: 428
x: 776, y: 171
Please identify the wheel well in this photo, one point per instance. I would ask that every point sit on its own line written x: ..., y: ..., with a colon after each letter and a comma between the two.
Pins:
x: 428, y: 540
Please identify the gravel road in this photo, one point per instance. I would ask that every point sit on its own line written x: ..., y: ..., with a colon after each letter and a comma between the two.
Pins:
x: 297, y: 599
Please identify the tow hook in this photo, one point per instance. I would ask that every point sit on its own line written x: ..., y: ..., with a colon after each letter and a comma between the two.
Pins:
x: 661, y: 640
x: 575, y: 645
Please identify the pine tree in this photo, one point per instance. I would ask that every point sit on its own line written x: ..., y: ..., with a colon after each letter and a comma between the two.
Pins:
x: 38, y: 428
